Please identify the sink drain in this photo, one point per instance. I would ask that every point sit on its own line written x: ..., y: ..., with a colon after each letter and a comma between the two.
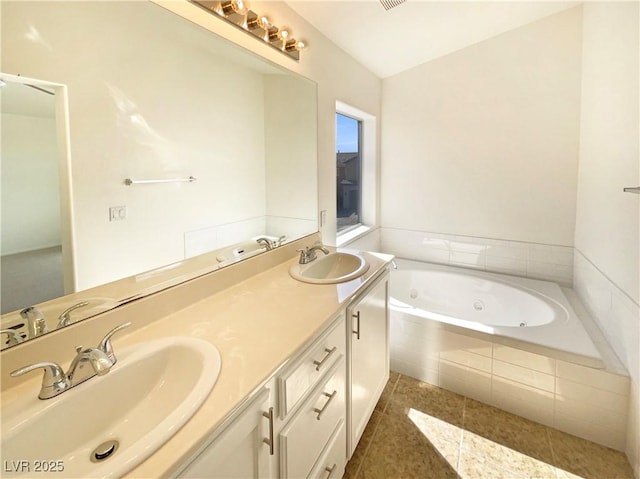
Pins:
x: 104, y: 451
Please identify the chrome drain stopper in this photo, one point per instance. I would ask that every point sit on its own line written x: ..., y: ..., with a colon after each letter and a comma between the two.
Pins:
x: 104, y: 451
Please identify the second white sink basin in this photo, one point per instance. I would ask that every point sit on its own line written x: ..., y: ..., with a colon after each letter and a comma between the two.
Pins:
x: 151, y: 392
x: 329, y: 269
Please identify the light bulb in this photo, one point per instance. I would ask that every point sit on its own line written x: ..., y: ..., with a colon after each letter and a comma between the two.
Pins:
x: 255, y: 22
x: 239, y: 7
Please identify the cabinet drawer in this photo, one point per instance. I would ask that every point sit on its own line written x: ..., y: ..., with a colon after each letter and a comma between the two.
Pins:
x: 334, y: 458
x: 306, y: 435
x: 309, y: 370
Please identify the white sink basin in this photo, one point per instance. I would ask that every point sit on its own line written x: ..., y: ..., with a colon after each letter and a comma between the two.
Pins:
x: 329, y: 269
x: 151, y: 392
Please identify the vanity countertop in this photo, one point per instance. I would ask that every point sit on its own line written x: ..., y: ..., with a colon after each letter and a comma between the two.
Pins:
x: 257, y: 324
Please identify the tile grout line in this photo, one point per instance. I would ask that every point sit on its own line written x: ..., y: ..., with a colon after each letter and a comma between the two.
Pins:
x: 462, y: 429
x: 375, y: 430
x: 553, y: 455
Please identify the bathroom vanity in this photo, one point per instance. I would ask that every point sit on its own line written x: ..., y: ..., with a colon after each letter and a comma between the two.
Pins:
x: 307, y: 420
x: 302, y: 367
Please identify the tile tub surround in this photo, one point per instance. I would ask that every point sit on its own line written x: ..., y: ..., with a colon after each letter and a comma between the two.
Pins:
x: 618, y: 316
x: 590, y: 403
x: 529, y: 260
x: 421, y: 430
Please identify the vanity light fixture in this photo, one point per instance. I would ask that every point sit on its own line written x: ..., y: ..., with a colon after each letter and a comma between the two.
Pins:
x: 233, y: 9
x: 257, y: 24
x: 237, y: 13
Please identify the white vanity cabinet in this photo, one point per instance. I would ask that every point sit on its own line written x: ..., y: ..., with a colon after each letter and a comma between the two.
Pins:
x: 312, y: 397
x: 368, y: 350
x: 309, y: 417
x: 244, y: 449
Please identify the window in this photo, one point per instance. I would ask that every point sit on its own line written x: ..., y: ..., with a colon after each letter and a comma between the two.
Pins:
x: 349, y: 172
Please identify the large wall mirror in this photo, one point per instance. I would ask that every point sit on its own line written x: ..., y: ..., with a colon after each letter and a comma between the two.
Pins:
x: 145, y: 95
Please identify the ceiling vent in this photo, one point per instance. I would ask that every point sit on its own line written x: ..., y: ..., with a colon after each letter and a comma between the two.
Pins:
x: 389, y: 4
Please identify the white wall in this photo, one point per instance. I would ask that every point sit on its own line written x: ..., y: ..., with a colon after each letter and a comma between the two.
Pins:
x: 30, y: 199
x: 484, y: 142
x: 607, y: 264
x: 290, y: 126
x: 339, y: 78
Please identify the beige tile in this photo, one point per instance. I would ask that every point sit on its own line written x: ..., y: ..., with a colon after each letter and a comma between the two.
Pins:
x: 504, y: 457
x: 452, y: 341
x: 466, y: 358
x: 593, y: 396
x: 531, y: 403
x: 587, y: 459
x: 597, y: 378
x: 524, y: 359
x: 465, y: 381
x: 400, y: 450
x: 520, y: 434
x: 359, y: 454
x: 477, y: 466
x: 524, y: 375
x: 388, y: 389
x: 413, y: 394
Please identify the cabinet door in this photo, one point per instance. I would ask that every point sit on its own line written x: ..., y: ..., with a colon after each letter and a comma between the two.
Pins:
x: 369, y: 354
x: 242, y: 450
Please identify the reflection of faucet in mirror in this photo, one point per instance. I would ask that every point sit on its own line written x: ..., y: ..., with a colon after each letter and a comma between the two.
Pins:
x: 36, y: 323
x: 14, y: 336
x: 55, y: 381
x: 255, y: 164
x: 65, y: 316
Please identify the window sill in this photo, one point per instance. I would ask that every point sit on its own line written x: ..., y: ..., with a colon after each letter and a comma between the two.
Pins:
x: 347, y: 237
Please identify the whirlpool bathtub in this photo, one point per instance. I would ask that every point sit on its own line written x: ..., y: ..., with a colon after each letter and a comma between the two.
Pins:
x: 526, y: 314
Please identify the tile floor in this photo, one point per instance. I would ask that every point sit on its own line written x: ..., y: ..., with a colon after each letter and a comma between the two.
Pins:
x: 422, y: 431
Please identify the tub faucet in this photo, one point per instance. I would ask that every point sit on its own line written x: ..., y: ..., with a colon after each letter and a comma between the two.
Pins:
x: 36, y: 322
x: 307, y: 255
x: 88, y: 363
x: 266, y: 242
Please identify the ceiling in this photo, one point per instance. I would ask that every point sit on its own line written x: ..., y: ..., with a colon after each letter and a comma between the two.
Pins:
x: 415, y: 32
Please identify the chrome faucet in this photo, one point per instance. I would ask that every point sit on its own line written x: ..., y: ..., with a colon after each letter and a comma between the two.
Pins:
x: 65, y: 317
x: 307, y: 255
x: 14, y: 336
x: 36, y: 322
x: 100, y: 359
x: 266, y: 242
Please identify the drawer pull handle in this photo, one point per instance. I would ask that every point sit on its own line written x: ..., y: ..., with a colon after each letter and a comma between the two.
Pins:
x: 320, y: 412
x: 357, y: 331
x: 331, y: 470
x: 269, y: 441
x: 329, y: 353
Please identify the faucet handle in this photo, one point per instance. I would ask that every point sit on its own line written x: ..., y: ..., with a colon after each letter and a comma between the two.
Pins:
x: 53, y: 382
x: 304, y: 255
x: 14, y: 336
x: 105, y: 344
